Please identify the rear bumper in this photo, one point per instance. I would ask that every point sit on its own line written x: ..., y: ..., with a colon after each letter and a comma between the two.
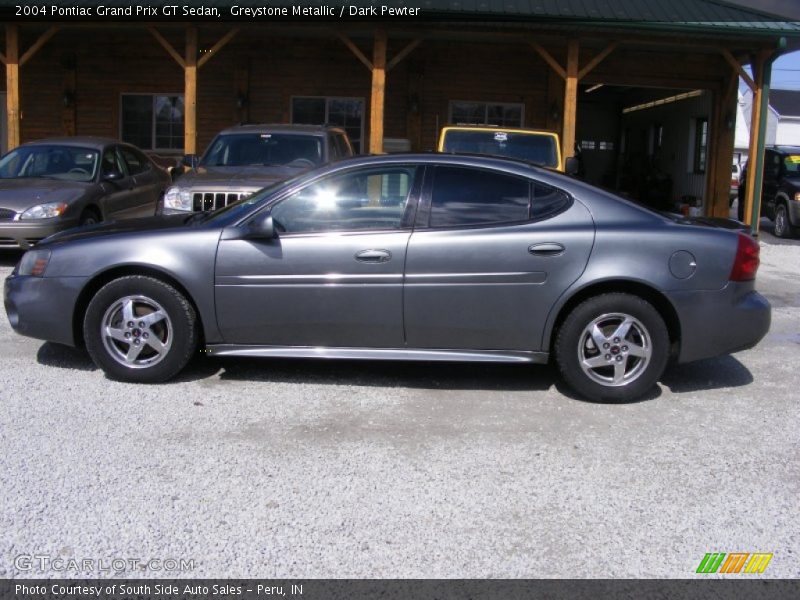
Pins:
x: 43, y: 307
x: 720, y: 322
x: 24, y: 234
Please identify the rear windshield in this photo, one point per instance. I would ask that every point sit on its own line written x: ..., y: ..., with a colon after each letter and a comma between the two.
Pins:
x: 532, y: 147
x: 264, y: 149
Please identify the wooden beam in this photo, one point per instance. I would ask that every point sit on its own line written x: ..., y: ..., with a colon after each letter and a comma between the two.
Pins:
x: 355, y: 50
x: 752, y: 152
x: 12, y: 87
x: 737, y: 66
x: 167, y: 46
x: 721, y: 137
x: 597, y: 59
x: 217, y: 47
x: 548, y: 58
x: 378, y: 92
x: 403, y: 53
x: 190, y: 92
x: 37, y: 45
x: 570, y: 102
x: 2, y: 58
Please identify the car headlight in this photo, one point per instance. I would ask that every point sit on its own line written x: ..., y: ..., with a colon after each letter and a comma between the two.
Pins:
x: 45, y: 211
x: 34, y: 263
x: 797, y: 196
x: 178, y: 199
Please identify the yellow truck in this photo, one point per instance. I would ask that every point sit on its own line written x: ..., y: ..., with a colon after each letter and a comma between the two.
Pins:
x: 541, y: 148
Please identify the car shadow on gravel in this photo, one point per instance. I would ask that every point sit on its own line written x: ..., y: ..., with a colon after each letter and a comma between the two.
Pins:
x: 713, y: 373
x: 64, y: 357
x: 420, y: 375
x: 9, y: 258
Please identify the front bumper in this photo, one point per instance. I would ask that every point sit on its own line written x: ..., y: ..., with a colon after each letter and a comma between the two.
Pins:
x: 720, y: 321
x: 24, y: 234
x: 794, y: 213
x: 43, y: 307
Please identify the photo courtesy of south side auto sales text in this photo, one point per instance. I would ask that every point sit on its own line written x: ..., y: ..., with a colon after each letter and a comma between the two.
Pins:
x: 343, y: 10
x: 183, y: 590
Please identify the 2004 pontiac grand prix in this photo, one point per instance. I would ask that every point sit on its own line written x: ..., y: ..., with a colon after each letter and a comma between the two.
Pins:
x: 403, y: 257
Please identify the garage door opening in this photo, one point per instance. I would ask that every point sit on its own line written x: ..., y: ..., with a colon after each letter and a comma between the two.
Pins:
x: 650, y: 144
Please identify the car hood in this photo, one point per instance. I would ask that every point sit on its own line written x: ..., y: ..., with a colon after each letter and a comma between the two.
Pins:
x: 117, y: 227
x: 20, y: 194
x: 236, y: 178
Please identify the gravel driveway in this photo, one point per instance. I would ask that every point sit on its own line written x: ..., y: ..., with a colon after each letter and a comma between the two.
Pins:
x: 276, y: 468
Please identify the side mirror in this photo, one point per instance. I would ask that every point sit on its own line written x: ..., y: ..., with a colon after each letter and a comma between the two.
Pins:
x: 262, y: 228
x: 571, y: 166
x: 113, y: 175
x: 190, y: 160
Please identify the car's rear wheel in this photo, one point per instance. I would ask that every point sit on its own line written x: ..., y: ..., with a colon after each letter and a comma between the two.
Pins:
x: 140, y: 329
x: 783, y: 228
x: 612, y: 347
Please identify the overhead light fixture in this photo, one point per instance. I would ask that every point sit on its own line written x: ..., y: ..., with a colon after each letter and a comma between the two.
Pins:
x: 663, y: 101
x: 594, y: 87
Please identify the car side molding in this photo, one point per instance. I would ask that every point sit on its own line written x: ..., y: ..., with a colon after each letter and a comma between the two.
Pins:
x: 423, y: 354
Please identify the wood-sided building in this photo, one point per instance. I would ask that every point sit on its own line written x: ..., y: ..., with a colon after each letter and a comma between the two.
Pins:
x: 637, y: 93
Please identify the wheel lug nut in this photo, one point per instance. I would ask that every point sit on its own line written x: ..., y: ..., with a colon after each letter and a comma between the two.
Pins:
x: 624, y: 348
x: 141, y: 323
x: 145, y: 335
x: 608, y: 357
x: 136, y: 342
x: 616, y: 340
x: 606, y: 345
x: 130, y: 323
x: 127, y: 334
x: 619, y: 359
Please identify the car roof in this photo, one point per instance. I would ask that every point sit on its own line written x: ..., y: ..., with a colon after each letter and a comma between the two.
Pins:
x: 96, y: 143
x: 787, y: 149
x: 282, y: 128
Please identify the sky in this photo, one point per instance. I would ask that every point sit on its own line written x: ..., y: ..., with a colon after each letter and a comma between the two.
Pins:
x: 786, y: 72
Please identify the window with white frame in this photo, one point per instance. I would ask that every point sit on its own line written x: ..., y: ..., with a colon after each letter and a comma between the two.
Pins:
x: 152, y: 121
x: 502, y: 114
x: 347, y: 113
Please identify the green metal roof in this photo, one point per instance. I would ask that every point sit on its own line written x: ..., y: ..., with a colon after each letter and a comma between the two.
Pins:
x: 661, y: 14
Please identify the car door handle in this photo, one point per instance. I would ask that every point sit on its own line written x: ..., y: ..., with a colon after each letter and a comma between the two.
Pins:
x: 546, y: 249
x: 374, y: 256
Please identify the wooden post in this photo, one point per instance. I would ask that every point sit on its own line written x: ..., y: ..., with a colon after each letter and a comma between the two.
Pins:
x: 378, y: 93
x: 12, y: 86
x: 720, y: 150
x: 190, y: 92
x: 570, y: 102
x: 755, y: 158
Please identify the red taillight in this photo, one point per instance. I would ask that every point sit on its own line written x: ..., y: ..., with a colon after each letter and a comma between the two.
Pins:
x: 746, y: 262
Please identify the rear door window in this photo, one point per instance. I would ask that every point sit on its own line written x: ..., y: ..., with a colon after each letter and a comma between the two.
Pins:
x: 465, y: 197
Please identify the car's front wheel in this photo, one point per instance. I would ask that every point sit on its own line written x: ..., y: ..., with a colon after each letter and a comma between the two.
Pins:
x: 140, y: 329
x: 613, y: 347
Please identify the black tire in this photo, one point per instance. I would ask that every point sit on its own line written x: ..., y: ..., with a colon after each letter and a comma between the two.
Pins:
x: 176, y: 333
x: 647, y: 331
x: 89, y: 216
x: 783, y: 228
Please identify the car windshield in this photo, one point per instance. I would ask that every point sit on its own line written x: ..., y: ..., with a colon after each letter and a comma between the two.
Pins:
x: 264, y: 149
x: 537, y: 148
x: 792, y: 163
x: 51, y: 162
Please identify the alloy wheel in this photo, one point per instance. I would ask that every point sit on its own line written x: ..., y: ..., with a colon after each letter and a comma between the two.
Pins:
x: 137, y: 332
x: 614, y: 349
